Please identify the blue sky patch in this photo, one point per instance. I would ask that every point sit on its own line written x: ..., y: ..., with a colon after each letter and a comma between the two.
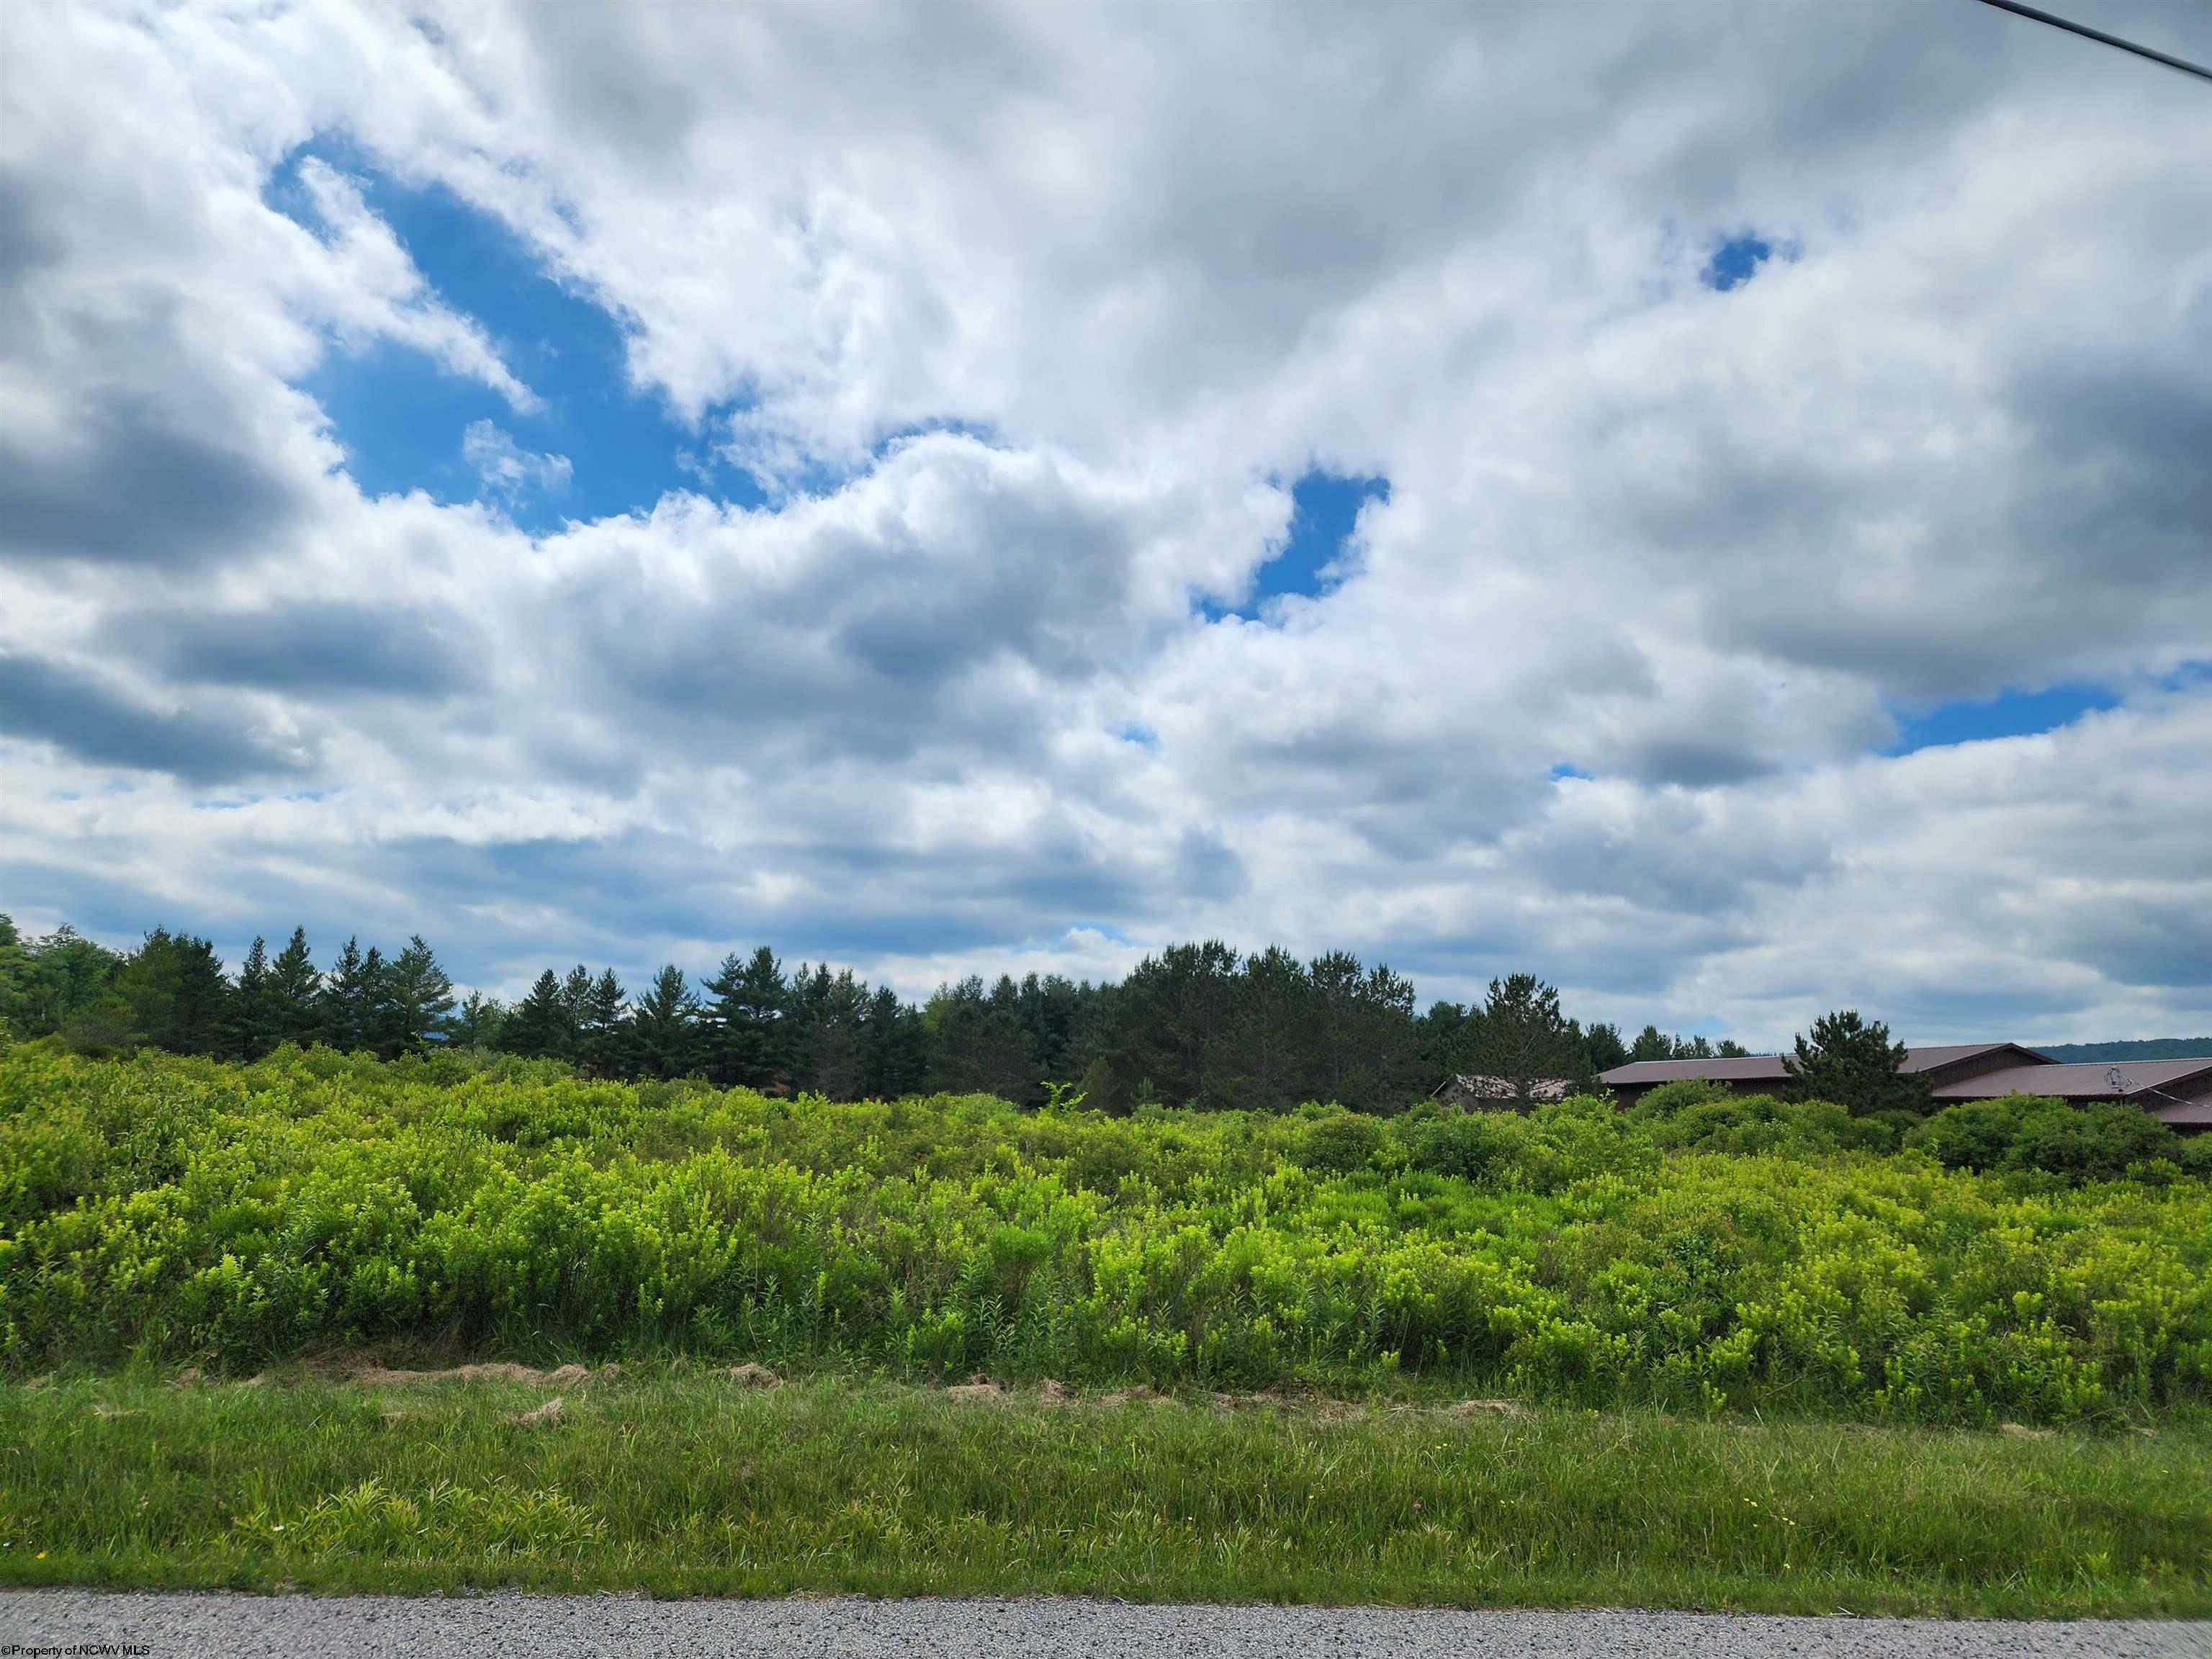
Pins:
x: 405, y: 421
x: 1735, y: 261
x: 1324, y: 510
x: 2009, y: 714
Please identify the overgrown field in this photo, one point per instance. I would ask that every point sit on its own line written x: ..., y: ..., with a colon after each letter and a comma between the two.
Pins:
x: 687, y: 1484
x: 183, y: 1211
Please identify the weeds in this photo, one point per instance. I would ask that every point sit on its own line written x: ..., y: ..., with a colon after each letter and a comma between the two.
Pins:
x: 180, y: 1211
x: 691, y: 1484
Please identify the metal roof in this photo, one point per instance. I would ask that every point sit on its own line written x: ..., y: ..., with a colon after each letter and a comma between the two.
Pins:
x: 1754, y: 1068
x: 2096, y: 1079
x: 1935, y: 1059
x: 1763, y: 1068
x: 1476, y: 1086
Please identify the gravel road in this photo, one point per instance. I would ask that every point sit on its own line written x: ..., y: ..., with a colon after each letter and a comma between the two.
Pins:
x: 579, y: 1627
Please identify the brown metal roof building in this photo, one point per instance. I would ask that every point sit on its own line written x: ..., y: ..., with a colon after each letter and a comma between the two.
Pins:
x: 2178, y: 1092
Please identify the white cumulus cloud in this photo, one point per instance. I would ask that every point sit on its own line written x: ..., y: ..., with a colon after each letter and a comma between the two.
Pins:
x: 1026, y: 319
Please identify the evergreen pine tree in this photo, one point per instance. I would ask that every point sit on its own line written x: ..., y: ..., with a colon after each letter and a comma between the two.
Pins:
x: 1389, y: 1044
x: 18, y: 976
x: 1526, y: 1039
x: 352, y: 1000
x: 296, y: 990
x: 744, y: 1022
x: 1051, y: 1010
x: 1606, y: 1050
x: 983, y: 1042
x: 1335, y: 977
x: 541, y: 1027
x: 1855, y: 1065
x: 1164, y: 1034
x: 256, y: 1003
x: 1442, y: 1040
x: 664, y: 1028
x: 416, y: 1001
x: 603, y: 1036
x: 1273, y: 1050
x: 478, y: 1022
x: 896, y: 1039
x: 825, y: 1033
x: 576, y: 1000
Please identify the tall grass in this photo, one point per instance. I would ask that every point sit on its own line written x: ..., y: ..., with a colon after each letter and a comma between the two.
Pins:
x: 685, y: 1485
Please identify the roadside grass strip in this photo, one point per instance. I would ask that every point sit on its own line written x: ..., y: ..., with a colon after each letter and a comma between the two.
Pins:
x: 689, y: 1482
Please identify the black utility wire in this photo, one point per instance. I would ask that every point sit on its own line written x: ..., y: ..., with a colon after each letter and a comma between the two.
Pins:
x: 2099, y: 35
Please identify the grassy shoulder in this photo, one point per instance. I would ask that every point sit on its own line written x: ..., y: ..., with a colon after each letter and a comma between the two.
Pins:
x: 686, y: 1484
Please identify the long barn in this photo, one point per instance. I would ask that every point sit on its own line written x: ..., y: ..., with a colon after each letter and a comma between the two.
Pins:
x: 2176, y: 1091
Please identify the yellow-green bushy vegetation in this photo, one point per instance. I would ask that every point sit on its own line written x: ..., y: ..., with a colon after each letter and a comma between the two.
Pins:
x: 1703, y: 1257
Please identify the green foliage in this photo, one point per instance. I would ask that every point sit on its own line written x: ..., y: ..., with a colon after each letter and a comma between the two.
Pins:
x: 1201, y: 1025
x: 1339, y: 1143
x: 177, y: 995
x: 745, y: 1021
x: 1198, y: 1026
x: 1845, y: 1060
x: 664, y: 1035
x: 1717, y: 1121
x: 1468, y: 1146
x: 1668, y: 1099
x: 1518, y: 1034
x: 1652, y: 1043
x: 1698, y: 1115
x: 172, y: 994
x: 1525, y: 1037
x: 675, y: 1483
x: 49, y: 985
x: 296, y: 991
x: 542, y: 1025
x: 182, y: 1206
x: 2097, y: 1141
x: 414, y: 1001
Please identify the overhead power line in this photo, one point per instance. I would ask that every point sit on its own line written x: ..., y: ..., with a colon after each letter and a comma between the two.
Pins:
x: 2099, y: 35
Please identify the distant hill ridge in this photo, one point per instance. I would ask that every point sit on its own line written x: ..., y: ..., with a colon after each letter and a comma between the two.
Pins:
x: 2151, y: 1048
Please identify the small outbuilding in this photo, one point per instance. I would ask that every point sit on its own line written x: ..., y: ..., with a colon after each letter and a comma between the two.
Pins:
x: 1498, y: 1094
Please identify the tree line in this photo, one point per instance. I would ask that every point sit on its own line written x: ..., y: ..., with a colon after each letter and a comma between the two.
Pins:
x: 1200, y: 1024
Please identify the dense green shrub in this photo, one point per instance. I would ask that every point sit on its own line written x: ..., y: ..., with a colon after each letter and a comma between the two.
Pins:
x: 1339, y: 1143
x: 1472, y: 1145
x: 239, y: 1214
x: 1758, y: 1123
x: 1696, y: 1114
x: 2098, y: 1141
x: 1669, y: 1098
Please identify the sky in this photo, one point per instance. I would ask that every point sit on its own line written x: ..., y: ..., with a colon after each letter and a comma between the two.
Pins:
x: 1707, y: 504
